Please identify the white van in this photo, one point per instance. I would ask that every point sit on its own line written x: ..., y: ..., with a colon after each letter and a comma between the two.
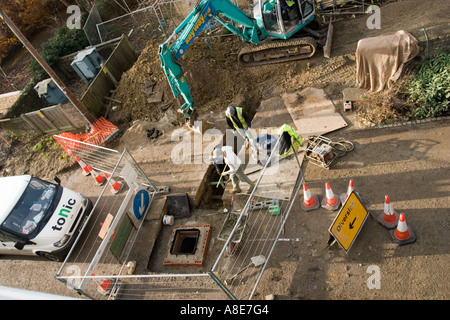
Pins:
x: 39, y: 218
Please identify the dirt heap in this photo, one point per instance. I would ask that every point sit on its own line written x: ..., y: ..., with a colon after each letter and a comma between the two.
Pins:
x: 35, y: 155
x: 139, y: 85
x: 214, y: 77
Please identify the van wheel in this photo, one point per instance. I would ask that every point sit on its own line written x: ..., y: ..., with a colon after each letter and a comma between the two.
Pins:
x: 49, y: 256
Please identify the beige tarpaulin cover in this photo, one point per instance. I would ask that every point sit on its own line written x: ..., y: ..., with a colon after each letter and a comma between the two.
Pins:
x: 380, y: 60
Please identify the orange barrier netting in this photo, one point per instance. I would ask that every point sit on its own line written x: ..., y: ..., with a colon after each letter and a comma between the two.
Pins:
x: 100, y: 131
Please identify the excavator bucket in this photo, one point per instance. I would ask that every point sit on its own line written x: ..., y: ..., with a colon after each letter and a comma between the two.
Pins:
x: 328, y: 43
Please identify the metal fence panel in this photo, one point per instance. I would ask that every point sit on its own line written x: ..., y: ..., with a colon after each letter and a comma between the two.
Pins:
x: 90, y: 27
x: 109, y: 234
x: 258, y: 227
x: 140, y: 24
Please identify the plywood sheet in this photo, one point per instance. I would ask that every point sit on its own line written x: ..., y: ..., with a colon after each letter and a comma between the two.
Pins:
x: 312, y: 112
x: 271, y: 114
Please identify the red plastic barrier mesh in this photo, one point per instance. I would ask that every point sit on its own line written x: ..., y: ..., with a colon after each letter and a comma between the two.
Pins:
x: 100, y: 131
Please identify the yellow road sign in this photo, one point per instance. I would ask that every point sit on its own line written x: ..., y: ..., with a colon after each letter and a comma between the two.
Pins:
x: 349, y: 221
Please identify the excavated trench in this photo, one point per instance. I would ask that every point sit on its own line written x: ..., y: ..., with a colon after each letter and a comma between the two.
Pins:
x: 214, y: 184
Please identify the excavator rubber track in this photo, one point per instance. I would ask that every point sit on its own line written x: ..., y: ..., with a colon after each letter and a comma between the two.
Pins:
x: 278, y: 51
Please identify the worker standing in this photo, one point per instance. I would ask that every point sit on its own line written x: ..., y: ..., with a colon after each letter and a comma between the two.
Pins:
x: 236, y: 171
x: 239, y: 121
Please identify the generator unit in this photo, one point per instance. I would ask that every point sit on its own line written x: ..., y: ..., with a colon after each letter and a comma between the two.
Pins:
x: 87, y: 64
x: 321, y: 151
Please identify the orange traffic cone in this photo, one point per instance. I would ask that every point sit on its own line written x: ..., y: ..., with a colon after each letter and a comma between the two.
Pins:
x: 308, y: 201
x: 104, y: 285
x: 99, y: 180
x: 330, y: 202
x: 116, y: 187
x: 403, y: 234
x: 344, y: 196
x: 84, y: 166
x: 389, y: 217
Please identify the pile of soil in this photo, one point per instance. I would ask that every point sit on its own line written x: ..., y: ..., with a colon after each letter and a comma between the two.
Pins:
x: 146, y: 73
x: 215, y: 79
x: 35, y: 155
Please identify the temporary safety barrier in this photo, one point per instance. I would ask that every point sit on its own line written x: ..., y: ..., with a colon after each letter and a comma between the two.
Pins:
x: 100, y: 266
x: 101, y: 131
x: 344, y: 7
x: 388, y: 218
x: 309, y: 201
x: 403, y: 234
x: 240, y: 265
x: 350, y: 189
x: 112, y: 227
x: 330, y: 201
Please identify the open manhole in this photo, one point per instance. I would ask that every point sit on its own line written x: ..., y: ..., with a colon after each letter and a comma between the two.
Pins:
x: 185, y: 241
x: 188, y: 245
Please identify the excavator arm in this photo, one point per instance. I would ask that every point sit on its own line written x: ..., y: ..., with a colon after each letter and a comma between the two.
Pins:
x: 176, y: 45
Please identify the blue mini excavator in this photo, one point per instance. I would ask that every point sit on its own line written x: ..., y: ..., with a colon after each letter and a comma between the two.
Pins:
x: 273, y: 30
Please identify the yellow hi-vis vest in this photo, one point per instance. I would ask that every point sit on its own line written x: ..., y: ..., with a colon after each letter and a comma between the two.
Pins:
x: 296, y: 139
x: 290, y: 3
x: 240, y: 117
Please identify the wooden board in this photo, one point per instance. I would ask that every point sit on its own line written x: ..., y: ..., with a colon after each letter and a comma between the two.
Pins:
x: 105, y: 226
x: 312, y: 112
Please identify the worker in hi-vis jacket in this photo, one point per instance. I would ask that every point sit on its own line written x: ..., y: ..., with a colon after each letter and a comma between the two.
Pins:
x: 238, y: 120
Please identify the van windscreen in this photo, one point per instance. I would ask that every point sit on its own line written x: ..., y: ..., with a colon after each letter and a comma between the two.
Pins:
x: 31, y: 209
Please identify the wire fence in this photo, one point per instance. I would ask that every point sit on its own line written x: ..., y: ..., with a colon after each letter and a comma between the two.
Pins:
x: 140, y: 26
x: 90, y: 26
x: 108, y: 235
x: 162, y: 17
x: 257, y: 229
x: 102, y: 263
x: 335, y: 9
x: 157, y: 20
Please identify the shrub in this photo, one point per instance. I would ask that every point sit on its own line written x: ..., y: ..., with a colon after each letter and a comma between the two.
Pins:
x: 429, y: 89
x: 65, y: 42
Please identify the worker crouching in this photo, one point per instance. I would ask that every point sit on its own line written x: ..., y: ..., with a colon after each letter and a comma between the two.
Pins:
x: 290, y: 140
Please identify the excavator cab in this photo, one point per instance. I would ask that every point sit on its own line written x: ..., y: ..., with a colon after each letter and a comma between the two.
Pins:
x: 278, y: 21
x: 282, y: 18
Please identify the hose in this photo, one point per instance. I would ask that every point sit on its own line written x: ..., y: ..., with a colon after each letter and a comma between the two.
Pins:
x: 342, y: 147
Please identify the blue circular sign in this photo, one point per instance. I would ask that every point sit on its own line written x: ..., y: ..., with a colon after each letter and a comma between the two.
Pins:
x: 141, y: 203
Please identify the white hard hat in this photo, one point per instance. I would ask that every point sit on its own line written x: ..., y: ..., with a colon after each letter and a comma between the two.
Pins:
x: 231, y: 111
x: 217, y: 153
